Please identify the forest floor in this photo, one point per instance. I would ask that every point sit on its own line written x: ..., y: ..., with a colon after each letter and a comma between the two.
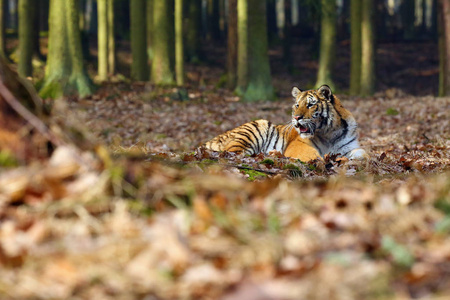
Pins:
x: 147, y: 214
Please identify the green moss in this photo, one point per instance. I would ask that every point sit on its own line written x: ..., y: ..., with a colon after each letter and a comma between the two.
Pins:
x: 268, y: 161
x: 392, y: 111
x: 312, y: 167
x: 293, y: 170
x: 253, y: 175
x: 290, y: 167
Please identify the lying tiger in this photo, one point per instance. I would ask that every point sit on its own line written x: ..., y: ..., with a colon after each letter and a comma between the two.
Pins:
x: 322, y: 126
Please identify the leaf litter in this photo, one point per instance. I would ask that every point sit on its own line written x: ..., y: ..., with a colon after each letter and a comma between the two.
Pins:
x: 163, y: 218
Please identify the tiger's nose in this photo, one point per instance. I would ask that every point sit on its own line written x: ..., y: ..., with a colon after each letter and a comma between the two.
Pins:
x: 298, y: 117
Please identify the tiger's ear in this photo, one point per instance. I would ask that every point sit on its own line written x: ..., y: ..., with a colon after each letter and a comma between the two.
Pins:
x: 325, y: 91
x: 295, y: 92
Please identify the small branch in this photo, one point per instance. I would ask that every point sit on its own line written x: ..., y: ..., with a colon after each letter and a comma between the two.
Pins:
x: 216, y: 164
x: 27, y: 115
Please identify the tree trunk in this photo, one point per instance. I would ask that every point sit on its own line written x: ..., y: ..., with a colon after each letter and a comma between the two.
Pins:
x: 179, y: 49
x: 102, y: 38
x: 139, y: 65
x: 3, y: 13
x: 65, y: 73
x: 355, y: 35
x: 26, y: 11
x: 111, y: 39
x: 367, y: 48
x: 163, y: 42
x: 327, y: 43
x: 193, y: 33
x: 79, y: 79
x: 232, y: 44
x: 259, y: 79
x: 242, y: 63
x: 149, y: 16
x: 444, y: 47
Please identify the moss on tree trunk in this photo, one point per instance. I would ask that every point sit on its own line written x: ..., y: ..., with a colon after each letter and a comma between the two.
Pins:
x: 111, y: 39
x: 65, y: 73
x: 26, y: 11
x: 149, y: 26
x: 242, y: 63
x: 259, y: 78
x: 367, y: 48
x: 327, y: 43
x: 163, y: 42
x: 139, y: 65
x: 102, y: 37
x: 444, y: 47
x: 179, y: 49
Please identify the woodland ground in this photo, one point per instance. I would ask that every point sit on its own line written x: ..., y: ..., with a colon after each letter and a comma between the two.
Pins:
x: 160, y: 218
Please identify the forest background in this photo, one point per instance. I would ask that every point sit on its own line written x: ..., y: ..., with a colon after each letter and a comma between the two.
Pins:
x: 106, y: 192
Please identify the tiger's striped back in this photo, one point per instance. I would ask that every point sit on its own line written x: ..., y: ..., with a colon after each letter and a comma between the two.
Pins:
x: 260, y: 136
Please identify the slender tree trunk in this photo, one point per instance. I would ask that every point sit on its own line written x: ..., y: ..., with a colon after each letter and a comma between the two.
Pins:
x: 26, y: 7
x: 111, y: 39
x: 65, y: 73
x: 355, y: 35
x: 163, y: 42
x: 2, y: 28
x: 102, y: 37
x: 242, y: 64
x: 193, y: 33
x: 78, y: 78
x: 179, y: 49
x: 149, y: 16
x: 232, y: 44
x: 368, y: 48
x: 444, y: 47
x: 327, y: 43
x: 259, y: 79
x: 139, y: 65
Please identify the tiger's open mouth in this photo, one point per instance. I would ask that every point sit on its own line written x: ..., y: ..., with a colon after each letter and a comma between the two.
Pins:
x: 304, y: 129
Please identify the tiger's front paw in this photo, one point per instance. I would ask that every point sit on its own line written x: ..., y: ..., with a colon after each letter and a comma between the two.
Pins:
x: 358, y: 154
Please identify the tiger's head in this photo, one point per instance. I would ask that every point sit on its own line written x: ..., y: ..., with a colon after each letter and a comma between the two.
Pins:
x: 311, y: 110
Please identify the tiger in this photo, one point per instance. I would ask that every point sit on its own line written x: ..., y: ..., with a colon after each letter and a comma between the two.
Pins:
x: 322, y: 126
